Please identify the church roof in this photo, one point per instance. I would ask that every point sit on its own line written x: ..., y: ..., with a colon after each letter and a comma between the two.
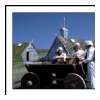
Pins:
x: 64, y: 29
x: 61, y: 41
x: 66, y: 43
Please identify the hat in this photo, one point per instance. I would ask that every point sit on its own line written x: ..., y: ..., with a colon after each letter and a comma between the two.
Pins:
x: 60, y: 48
x: 77, y: 44
x: 88, y: 42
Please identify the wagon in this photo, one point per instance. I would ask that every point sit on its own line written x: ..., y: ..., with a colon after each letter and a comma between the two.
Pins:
x: 53, y: 76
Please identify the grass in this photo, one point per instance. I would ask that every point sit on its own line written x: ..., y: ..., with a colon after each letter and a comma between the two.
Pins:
x: 18, y: 71
x: 42, y: 53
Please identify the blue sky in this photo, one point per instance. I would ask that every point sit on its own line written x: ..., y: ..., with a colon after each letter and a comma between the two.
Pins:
x: 43, y: 27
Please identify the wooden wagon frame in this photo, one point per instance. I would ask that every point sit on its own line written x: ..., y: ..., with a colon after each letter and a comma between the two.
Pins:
x: 53, y: 76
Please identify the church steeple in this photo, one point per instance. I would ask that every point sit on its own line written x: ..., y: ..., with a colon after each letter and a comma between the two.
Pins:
x: 64, y: 30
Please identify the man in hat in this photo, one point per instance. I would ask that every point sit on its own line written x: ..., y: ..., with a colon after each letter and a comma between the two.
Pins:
x: 78, y: 52
x: 60, y: 56
x: 78, y: 59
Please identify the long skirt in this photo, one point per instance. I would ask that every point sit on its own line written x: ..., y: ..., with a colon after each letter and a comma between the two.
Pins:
x: 90, y: 77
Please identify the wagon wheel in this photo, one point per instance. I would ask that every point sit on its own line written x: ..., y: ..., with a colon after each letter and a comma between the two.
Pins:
x: 30, y: 81
x: 74, y: 81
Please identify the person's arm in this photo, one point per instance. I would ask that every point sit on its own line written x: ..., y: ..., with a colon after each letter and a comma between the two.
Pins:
x: 65, y: 56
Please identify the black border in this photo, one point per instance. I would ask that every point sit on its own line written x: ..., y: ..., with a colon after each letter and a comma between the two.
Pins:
x: 50, y: 5
x: 5, y: 54
x: 6, y: 27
